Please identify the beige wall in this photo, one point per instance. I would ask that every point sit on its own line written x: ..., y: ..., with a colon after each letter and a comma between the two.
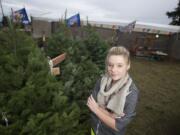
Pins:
x: 166, y: 43
x: 39, y: 27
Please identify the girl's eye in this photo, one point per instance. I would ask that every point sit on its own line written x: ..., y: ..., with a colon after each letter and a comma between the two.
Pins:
x: 119, y: 65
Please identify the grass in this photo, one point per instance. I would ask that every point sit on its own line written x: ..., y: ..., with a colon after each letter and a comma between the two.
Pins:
x: 158, y: 109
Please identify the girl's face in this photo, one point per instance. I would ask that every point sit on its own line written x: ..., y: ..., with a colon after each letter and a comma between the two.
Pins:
x: 117, y: 67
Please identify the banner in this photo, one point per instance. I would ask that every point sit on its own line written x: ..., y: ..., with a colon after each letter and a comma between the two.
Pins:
x: 20, y: 16
x: 74, y: 21
x: 128, y: 28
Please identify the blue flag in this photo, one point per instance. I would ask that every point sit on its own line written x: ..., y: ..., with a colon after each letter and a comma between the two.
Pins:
x: 21, y: 16
x: 74, y: 21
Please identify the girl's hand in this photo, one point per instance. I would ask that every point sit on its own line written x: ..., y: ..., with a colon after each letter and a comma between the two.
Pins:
x: 91, y: 103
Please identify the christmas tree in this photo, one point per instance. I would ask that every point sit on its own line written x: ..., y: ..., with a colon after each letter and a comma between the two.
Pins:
x: 32, y: 101
x: 83, y: 65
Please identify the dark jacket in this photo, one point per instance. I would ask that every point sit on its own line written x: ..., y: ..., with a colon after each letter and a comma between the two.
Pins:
x: 121, y: 123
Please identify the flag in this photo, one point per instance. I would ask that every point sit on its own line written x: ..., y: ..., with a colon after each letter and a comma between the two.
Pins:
x: 20, y: 16
x: 74, y: 21
x: 128, y: 28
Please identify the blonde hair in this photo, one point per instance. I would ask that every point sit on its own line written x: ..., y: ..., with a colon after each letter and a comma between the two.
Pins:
x: 118, y: 50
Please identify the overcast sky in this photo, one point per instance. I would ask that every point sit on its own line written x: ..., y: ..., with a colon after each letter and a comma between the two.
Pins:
x: 148, y: 11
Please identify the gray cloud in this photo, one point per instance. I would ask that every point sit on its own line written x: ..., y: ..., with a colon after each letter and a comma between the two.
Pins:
x: 153, y: 11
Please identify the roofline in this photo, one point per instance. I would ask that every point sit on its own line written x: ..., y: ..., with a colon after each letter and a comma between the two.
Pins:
x: 139, y: 27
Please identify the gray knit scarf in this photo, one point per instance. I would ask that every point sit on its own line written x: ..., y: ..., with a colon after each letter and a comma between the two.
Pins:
x: 114, y: 97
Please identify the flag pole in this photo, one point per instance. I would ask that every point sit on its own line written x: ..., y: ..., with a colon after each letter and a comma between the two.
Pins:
x: 1, y: 7
x: 12, y: 14
x: 87, y: 21
x: 65, y: 14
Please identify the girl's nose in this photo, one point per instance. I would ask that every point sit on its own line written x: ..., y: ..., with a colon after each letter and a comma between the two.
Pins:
x: 114, y: 69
